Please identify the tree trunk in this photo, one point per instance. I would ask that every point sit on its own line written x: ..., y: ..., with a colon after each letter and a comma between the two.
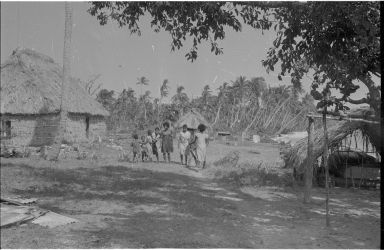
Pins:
x: 374, y: 99
x: 236, y: 118
x: 286, y: 124
x: 277, y: 109
x: 145, y: 112
x: 252, y: 122
x: 159, y: 110
x: 217, y: 115
x: 66, y: 79
x: 309, y: 163
x: 325, y: 158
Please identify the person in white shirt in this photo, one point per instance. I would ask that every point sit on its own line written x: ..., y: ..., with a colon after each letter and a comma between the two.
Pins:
x: 183, y: 141
x: 201, y: 140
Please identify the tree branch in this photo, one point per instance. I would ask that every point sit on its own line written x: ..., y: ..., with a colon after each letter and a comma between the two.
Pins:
x: 360, y: 101
x: 277, y: 4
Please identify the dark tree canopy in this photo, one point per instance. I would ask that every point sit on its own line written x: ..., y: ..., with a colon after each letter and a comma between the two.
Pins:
x: 339, y: 41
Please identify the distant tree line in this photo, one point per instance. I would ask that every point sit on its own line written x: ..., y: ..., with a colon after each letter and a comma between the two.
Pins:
x: 242, y: 105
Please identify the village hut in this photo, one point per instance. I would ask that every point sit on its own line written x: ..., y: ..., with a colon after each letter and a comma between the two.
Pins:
x: 30, y: 103
x: 192, y: 119
x: 296, y: 157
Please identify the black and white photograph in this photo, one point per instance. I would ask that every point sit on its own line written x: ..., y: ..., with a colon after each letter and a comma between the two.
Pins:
x: 190, y: 124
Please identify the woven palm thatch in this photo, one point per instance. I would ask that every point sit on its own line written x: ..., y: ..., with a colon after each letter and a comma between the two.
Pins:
x: 192, y: 119
x: 297, y: 156
x: 31, y: 85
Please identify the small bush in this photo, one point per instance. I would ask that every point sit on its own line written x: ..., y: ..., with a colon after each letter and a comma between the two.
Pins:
x: 248, y: 174
x: 124, y: 131
x: 230, y: 160
x: 65, y: 141
x: 124, y: 157
x: 82, y: 155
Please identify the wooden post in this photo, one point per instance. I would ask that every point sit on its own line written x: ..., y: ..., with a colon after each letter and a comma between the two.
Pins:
x: 309, y: 163
x: 325, y: 158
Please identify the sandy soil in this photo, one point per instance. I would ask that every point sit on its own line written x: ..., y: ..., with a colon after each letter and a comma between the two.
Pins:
x: 148, y: 205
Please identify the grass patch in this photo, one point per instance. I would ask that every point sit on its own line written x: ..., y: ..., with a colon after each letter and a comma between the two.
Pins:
x: 251, y: 173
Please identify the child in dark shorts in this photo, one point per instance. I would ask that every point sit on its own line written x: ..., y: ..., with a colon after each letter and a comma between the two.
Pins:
x: 156, y: 143
x: 144, y: 149
x: 166, y: 142
x: 136, y: 148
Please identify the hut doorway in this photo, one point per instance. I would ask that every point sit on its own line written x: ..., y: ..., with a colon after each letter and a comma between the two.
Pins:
x: 5, y: 129
x: 87, y: 126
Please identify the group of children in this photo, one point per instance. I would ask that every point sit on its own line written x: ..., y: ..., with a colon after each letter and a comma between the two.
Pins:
x: 189, y: 143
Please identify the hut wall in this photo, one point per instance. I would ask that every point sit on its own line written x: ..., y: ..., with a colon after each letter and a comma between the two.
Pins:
x: 98, y: 127
x: 77, y: 124
x: 39, y: 130
x: 75, y: 128
x: 32, y: 130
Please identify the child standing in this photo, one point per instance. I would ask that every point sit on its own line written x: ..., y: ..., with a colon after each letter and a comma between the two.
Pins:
x: 201, y: 139
x: 156, y: 143
x: 149, y: 144
x: 183, y: 141
x: 166, y: 142
x: 191, y: 148
x: 144, y: 149
x: 135, y: 148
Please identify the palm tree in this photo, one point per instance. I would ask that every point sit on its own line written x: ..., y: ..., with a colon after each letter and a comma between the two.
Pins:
x: 144, y: 99
x: 204, y: 101
x: 257, y: 87
x: 164, y: 91
x: 142, y: 81
x: 239, y: 87
x: 222, y: 95
x: 66, y: 78
x: 206, y: 93
x: 180, y: 99
x: 126, y: 108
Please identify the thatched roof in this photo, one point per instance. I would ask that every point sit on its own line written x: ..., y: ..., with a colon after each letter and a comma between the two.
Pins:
x: 351, y: 158
x: 296, y: 157
x: 31, y: 84
x: 192, y: 119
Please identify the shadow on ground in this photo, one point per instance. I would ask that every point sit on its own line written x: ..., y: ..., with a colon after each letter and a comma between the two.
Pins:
x: 121, y: 207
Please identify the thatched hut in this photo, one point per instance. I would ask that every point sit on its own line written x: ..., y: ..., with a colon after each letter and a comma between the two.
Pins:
x: 192, y: 119
x: 297, y: 156
x: 30, y: 103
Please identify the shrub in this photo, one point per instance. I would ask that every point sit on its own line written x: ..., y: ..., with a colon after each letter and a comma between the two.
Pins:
x: 259, y: 174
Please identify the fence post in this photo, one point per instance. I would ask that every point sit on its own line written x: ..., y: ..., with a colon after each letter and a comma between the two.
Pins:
x: 325, y: 157
x: 309, y: 163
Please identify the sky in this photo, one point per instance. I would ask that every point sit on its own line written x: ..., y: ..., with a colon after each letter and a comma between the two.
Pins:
x: 120, y: 58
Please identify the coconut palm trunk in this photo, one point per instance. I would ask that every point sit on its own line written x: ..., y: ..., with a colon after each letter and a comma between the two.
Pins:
x: 217, y: 115
x: 159, y: 109
x: 326, y: 167
x: 66, y: 78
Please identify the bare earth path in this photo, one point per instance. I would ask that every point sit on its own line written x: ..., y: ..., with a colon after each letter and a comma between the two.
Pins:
x: 159, y: 205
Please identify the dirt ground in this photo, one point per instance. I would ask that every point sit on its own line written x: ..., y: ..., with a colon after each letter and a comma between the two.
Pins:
x: 150, y: 205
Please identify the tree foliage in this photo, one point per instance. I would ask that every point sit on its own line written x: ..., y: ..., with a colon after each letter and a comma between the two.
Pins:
x: 338, y: 41
x: 91, y: 86
x: 242, y: 105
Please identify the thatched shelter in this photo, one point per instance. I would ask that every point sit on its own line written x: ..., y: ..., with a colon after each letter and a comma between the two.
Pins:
x: 296, y: 157
x: 30, y: 103
x: 192, y: 119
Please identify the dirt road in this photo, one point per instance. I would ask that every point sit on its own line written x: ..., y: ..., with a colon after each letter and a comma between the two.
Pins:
x: 158, y: 205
